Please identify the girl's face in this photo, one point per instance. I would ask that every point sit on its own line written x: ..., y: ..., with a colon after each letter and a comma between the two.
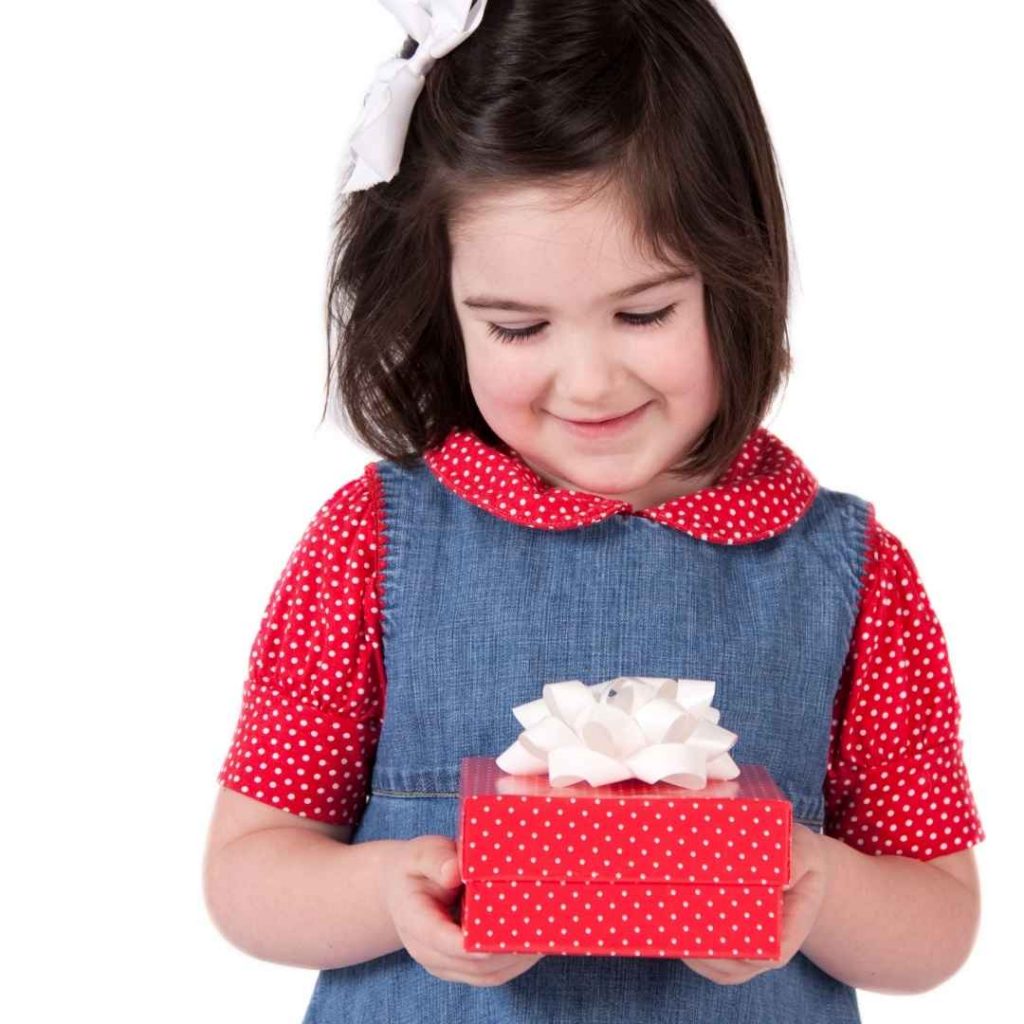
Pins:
x: 597, y: 339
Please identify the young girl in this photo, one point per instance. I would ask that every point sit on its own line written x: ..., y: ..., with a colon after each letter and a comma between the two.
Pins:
x: 559, y: 300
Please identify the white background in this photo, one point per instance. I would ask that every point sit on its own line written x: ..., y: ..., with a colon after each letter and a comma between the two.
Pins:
x: 168, y: 185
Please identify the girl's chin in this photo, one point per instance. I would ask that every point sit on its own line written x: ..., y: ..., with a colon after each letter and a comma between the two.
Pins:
x: 600, y: 483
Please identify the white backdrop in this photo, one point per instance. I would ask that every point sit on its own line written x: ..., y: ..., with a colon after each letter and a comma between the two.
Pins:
x: 168, y: 186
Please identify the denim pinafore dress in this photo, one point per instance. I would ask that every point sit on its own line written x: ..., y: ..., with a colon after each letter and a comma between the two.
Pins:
x: 480, y: 612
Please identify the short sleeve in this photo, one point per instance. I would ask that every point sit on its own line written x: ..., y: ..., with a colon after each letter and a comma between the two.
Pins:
x: 896, y: 781
x: 307, y: 730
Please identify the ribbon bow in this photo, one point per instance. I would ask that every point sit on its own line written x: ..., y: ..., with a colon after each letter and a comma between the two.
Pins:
x: 649, y: 728
x: 375, y: 144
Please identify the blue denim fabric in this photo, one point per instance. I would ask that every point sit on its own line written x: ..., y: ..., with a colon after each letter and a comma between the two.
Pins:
x: 479, y: 613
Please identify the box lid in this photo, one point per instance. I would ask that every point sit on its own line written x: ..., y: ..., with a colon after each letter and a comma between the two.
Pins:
x: 520, y: 827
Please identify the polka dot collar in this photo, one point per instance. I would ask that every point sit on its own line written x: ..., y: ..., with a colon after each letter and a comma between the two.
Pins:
x: 763, y: 492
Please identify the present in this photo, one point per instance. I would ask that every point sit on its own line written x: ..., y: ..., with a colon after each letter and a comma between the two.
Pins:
x: 625, y: 830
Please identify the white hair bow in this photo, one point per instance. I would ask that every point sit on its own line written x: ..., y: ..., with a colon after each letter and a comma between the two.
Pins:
x: 376, y: 143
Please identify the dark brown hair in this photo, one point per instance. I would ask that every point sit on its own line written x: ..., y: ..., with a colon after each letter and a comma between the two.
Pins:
x: 649, y: 98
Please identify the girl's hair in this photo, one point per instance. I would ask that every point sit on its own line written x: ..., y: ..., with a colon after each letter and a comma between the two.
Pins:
x: 649, y: 98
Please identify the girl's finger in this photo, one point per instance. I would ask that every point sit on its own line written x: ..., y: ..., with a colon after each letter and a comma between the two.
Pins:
x: 436, y: 861
x: 799, y: 909
x: 428, y: 923
x: 429, y: 927
x: 468, y: 966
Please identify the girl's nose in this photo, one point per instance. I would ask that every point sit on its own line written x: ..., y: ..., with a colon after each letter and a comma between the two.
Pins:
x: 587, y: 376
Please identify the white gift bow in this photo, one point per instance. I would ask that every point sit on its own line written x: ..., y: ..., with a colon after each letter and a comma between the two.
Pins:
x: 375, y: 144
x: 649, y: 728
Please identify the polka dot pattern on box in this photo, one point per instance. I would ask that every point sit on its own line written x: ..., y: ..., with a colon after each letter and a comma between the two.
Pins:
x: 632, y: 919
x: 630, y: 868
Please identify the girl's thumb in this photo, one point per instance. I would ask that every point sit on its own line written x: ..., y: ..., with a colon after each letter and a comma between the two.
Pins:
x: 448, y: 873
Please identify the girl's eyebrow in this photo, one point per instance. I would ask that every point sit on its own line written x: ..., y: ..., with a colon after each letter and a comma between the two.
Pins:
x: 493, y: 302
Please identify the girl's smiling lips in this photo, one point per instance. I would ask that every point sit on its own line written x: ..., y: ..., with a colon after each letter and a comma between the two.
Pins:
x: 602, y: 428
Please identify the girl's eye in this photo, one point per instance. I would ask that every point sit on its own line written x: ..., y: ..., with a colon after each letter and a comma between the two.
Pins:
x: 506, y: 334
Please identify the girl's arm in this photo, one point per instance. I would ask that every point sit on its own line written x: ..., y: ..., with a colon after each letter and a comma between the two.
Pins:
x: 892, y: 923
x: 295, y: 893
x: 281, y: 880
x: 299, y: 894
x: 895, y: 917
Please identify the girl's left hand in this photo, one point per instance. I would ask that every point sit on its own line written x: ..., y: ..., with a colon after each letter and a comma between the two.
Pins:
x: 801, y: 902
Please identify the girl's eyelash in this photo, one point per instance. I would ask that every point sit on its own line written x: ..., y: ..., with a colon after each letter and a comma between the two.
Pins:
x: 505, y: 334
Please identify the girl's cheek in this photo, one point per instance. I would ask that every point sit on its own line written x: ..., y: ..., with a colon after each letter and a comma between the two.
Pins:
x: 505, y: 378
x: 497, y: 404
x: 682, y: 367
x: 512, y: 401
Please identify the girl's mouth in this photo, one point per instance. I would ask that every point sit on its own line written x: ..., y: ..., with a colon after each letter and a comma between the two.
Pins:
x: 604, y: 428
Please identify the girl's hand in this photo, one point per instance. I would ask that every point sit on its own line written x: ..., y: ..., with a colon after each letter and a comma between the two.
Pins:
x: 422, y: 884
x: 801, y: 902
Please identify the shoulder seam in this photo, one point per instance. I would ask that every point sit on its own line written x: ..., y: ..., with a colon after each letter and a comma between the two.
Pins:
x: 376, y: 493
x: 868, y: 546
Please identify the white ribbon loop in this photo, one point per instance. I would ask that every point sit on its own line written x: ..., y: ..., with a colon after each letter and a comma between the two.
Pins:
x: 376, y: 142
x: 648, y: 728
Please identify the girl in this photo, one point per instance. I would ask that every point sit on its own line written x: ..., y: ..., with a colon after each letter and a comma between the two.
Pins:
x: 560, y: 323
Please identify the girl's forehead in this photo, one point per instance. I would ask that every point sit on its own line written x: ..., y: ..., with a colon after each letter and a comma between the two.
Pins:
x: 540, y: 229
x: 527, y: 252
x: 537, y: 235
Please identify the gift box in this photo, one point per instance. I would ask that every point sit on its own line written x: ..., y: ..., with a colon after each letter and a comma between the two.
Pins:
x: 623, y: 868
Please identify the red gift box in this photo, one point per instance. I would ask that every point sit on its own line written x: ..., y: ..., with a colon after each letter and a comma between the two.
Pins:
x: 626, y: 869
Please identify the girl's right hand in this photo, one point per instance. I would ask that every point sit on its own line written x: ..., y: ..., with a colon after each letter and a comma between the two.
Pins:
x: 421, y: 885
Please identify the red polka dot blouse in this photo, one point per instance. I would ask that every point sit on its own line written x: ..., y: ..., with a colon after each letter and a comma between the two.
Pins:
x: 315, y: 694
